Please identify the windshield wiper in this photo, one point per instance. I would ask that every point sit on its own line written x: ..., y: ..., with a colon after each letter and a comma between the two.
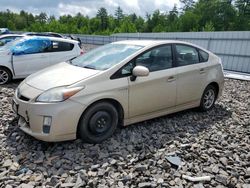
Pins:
x: 89, y: 67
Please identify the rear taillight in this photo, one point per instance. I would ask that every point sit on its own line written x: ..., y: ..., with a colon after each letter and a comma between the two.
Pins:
x: 82, y: 52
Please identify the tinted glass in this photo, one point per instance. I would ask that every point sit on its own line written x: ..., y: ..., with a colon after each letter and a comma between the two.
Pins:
x: 203, y: 56
x: 159, y: 58
x: 186, y: 55
x: 61, y: 46
x: 10, y: 44
x: 106, y: 56
x: 7, y: 39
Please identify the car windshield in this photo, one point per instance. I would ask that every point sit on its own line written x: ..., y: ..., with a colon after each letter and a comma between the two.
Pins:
x: 105, y: 57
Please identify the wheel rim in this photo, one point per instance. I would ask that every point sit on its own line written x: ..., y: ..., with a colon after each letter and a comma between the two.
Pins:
x: 209, y: 98
x: 4, y: 77
x: 100, y: 122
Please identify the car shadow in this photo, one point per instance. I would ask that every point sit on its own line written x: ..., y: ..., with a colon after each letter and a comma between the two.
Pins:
x: 132, y: 144
x: 12, y: 84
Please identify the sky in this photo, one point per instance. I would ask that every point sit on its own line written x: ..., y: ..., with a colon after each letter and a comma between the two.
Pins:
x: 87, y: 7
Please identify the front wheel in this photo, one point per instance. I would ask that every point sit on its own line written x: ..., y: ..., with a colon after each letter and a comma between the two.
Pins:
x: 5, y: 75
x: 208, y: 98
x: 98, y: 123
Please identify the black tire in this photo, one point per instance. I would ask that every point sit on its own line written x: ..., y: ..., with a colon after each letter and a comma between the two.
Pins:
x: 5, y: 76
x: 206, y: 102
x: 98, y: 123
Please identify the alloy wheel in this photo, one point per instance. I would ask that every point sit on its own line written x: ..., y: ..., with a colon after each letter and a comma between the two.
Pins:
x: 209, y: 98
x: 4, y: 76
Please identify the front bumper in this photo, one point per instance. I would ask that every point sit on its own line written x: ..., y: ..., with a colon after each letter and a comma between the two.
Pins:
x: 65, y: 117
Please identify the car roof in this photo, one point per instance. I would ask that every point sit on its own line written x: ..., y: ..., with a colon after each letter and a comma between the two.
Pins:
x: 149, y: 43
x: 45, y: 34
x: 53, y: 38
x: 11, y: 35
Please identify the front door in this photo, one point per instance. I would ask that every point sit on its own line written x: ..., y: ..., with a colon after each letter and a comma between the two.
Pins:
x: 157, y: 91
x: 29, y: 56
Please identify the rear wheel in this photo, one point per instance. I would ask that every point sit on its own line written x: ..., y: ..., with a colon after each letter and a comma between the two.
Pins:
x: 98, y: 122
x: 208, y: 98
x: 5, y: 75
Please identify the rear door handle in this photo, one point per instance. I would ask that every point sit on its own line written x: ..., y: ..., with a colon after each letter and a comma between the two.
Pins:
x: 171, y: 78
x: 202, y: 70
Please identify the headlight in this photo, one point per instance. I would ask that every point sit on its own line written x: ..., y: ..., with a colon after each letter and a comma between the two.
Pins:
x: 58, y: 94
x: 17, y: 92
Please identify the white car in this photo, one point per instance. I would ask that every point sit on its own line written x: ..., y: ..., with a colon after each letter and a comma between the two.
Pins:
x: 24, y: 56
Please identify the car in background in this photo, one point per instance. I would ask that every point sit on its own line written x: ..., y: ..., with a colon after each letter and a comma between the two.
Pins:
x: 44, y: 34
x: 52, y: 34
x: 4, y: 31
x: 4, y: 39
x: 24, y: 56
x: 117, y: 84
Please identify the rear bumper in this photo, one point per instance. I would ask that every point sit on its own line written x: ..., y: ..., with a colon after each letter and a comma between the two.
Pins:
x: 64, y: 115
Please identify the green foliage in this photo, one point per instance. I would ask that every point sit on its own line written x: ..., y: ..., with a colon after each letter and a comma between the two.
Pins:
x: 103, y: 16
x: 127, y: 26
x: 209, y: 27
x: 119, y: 16
x: 199, y: 15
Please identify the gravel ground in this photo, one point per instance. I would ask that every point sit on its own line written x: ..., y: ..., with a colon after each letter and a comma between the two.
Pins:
x: 214, y: 144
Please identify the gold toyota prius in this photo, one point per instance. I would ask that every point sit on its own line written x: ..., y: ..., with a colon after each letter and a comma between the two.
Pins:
x: 117, y: 84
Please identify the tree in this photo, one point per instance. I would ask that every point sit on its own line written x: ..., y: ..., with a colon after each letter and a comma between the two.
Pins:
x: 187, y: 4
x: 51, y: 18
x: 195, y: 15
x: 209, y: 27
x: 173, y: 14
x: 173, y: 20
x: 127, y: 26
x: 119, y: 15
x: 189, y: 21
x: 103, y: 16
x: 42, y: 18
x: 243, y: 14
x: 159, y: 20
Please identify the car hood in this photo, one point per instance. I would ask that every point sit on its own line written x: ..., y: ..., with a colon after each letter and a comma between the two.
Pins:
x: 61, y: 74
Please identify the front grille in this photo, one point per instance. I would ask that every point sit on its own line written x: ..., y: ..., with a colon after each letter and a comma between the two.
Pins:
x: 23, y: 98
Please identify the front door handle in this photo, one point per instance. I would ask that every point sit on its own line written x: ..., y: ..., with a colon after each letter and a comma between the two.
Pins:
x: 202, y: 71
x: 171, y: 78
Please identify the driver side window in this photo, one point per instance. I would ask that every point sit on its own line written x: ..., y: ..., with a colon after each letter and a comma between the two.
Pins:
x: 157, y: 59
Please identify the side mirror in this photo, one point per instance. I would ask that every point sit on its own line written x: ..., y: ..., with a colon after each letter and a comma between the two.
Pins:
x: 139, y: 71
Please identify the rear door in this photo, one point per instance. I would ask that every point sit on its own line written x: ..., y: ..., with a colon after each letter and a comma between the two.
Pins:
x: 190, y: 74
x: 62, y: 51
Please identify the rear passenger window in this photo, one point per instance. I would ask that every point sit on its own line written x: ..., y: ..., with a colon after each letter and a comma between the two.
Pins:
x: 186, y: 55
x: 61, y: 46
x: 203, y: 56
